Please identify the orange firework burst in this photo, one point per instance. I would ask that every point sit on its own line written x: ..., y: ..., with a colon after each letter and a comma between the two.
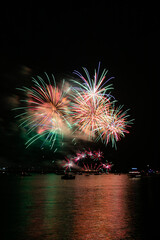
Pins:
x: 114, y: 125
x: 46, y: 111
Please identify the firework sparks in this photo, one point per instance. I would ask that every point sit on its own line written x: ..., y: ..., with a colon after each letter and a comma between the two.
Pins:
x: 84, y: 111
x: 94, y: 113
x: 68, y: 164
x: 87, y: 160
x: 90, y: 102
x: 46, y: 110
x: 114, y: 126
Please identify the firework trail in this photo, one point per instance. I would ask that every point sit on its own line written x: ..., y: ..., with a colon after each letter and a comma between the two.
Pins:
x: 46, y: 111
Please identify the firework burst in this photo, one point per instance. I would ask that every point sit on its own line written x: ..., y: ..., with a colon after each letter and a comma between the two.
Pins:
x: 93, y: 109
x: 90, y: 102
x: 46, y: 110
x: 114, y: 125
x: 84, y: 111
x: 87, y: 160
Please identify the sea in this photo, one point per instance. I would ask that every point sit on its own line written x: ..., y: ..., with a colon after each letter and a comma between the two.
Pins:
x: 107, y: 206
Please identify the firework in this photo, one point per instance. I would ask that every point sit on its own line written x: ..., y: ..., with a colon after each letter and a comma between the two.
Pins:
x: 114, y: 125
x: 79, y: 156
x: 86, y: 160
x: 98, y: 155
x: 68, y: 164
x: 90, y: 102
x: 46, y: 110
x: 84, y: 111
x: 93, y: 110
x: 96, y: 87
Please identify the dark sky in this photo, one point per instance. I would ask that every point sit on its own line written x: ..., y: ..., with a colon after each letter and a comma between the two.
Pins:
x: 59, y: 38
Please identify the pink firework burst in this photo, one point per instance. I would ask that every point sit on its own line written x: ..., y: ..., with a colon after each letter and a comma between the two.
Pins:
x: 114, y: 126
x: 90, y: 102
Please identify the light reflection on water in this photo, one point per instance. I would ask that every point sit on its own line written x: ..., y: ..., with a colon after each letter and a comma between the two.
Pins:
x: 95, y: 207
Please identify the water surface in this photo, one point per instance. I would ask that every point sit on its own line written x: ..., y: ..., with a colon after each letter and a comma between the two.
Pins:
x: 44, y: 207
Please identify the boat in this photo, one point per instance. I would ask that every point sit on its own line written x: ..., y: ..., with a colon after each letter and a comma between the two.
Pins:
x: 68, y: 176
x: 134, y: 173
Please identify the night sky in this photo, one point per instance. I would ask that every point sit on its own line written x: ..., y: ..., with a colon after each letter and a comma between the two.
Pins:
x: 59, y: 38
